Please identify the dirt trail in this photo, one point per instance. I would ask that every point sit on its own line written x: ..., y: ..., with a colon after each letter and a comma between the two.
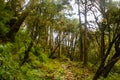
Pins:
x: 68, y: 73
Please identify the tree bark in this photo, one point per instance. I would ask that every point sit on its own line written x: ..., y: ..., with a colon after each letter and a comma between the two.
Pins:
x: 15, y: 27
x: 102, y: 44
x: 85, y: 38
x: 110, y: 65
x: 102, y: 68
x: 27, y: 53
x: 113, y: 60
x: 81, y: 34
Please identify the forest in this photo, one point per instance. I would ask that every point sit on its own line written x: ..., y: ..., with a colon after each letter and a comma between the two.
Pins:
x: 59, y: 39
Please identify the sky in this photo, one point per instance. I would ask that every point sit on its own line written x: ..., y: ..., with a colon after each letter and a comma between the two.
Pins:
x: 90, y: 16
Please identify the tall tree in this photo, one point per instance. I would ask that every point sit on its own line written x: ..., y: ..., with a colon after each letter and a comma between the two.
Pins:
x: 106, y: 65
x: 85, y: 37
x: 18, y: 17
x: 81, y: 32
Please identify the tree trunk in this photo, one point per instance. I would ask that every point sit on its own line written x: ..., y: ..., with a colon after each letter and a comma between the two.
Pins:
x: 27, y: 53
x: 109, y: 66
x: 104, y: 69
x: 81, y: 34
x: 15, y: 27
x: 102, y: 42
x: 51, y: 39
x: 85, y: 38
x: 113, y: 60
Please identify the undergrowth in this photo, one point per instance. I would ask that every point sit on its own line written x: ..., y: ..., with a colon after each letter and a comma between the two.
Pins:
x: 40, y: 67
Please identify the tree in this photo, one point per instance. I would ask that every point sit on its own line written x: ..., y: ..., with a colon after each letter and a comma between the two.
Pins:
x: 104, y: 67
x: 81, y: 32
x: 17, y: 19
x: 41, y: 25
x: 5, y: 17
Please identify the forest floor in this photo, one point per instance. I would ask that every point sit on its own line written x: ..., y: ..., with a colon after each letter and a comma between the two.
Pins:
x: 64, y: 69
x: 43, y: 68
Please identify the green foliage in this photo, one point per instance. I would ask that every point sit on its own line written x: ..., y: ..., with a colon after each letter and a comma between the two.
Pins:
x: 93, y: 57
x: 41, y: 68
x: 113, y: 15
x: 1, y: 48
x: 45, y: 20
x: 5, y: 16
x: 112, y: 76
x: 116, y: 68
x: 9, y: 67
x: 40, y: 54
x: 43, y: 58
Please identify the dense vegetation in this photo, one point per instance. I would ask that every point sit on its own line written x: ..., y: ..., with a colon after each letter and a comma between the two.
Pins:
x: 41, y: 40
